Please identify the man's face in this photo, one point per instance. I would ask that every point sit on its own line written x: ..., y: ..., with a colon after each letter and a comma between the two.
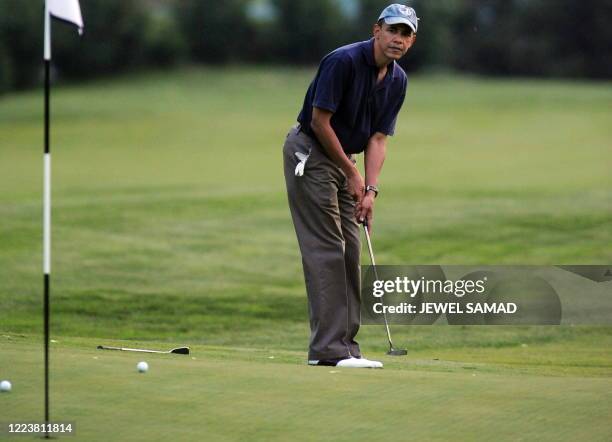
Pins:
x: 393, y: 40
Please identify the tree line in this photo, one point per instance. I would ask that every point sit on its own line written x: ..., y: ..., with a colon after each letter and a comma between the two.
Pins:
x: 545, y: 38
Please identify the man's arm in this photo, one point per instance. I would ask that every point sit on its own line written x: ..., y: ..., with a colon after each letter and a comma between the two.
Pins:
x: 321, y: 126
x: 374, y: 159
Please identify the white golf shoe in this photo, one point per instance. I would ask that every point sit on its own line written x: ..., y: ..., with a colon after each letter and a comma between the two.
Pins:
x: 348, y: 363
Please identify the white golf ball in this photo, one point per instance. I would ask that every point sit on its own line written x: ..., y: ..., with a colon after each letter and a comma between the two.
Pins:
x: 142, y: 367
x: 5, y: 386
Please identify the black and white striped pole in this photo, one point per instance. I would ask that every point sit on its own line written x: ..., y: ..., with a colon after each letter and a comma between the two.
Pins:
x: 47, y: 209
x: 70, y: 11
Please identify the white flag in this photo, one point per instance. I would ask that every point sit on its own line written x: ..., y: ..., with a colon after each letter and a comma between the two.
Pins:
x: 68, y: 10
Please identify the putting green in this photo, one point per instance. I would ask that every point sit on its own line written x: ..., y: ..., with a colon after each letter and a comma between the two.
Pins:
x: 246, y: 394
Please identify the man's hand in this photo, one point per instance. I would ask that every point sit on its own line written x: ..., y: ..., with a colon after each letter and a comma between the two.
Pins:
x: 364, y: 210
x: 355, y: 185
x: 321, y: 126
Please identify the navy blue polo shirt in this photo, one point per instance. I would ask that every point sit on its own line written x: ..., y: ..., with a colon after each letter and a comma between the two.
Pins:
x: 345, y: 84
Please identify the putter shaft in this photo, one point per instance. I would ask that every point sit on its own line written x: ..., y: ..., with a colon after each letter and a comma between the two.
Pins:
x: 392, y: 350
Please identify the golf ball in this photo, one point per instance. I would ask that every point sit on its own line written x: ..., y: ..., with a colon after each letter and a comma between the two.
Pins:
x: 5, y: 386
x: 142, y: 367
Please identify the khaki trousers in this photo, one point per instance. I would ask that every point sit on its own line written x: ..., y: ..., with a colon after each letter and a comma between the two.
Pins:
x: 328, y: 235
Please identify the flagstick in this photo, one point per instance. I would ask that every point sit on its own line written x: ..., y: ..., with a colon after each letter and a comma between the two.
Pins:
x: 68, y: 10
x: 47, y: 211
x: 47, y: 237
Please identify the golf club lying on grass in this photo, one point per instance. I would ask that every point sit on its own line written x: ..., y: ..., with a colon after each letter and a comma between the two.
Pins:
x: 178, y: 351
x: 392, y: 350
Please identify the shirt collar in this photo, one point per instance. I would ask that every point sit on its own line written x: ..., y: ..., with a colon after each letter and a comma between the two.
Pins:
x: 368, y: 52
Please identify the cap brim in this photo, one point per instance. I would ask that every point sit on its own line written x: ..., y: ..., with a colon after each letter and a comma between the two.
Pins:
x: 398, y: 20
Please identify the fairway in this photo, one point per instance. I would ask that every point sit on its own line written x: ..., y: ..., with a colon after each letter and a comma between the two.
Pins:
x: 171, y: 227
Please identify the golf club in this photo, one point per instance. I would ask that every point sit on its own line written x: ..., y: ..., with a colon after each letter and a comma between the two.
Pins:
x: 392, y: 350
x: 178, y: 351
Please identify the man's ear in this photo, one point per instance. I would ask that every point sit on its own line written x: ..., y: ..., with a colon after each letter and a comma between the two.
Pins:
x: 412, y: 40
x: 376, y: 30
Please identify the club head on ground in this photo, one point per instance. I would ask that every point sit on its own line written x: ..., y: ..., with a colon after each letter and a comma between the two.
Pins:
x: 180, y: 350
x: 396, y: 352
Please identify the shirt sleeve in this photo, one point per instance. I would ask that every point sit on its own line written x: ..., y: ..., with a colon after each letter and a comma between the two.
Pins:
x: 333, y: 78
x: 389, y: 117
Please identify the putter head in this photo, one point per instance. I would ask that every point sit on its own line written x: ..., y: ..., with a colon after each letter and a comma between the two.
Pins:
x: 180, y: 350
x: 396, y: 352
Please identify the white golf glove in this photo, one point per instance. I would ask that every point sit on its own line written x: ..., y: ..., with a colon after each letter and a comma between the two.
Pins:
x: 299, y: 169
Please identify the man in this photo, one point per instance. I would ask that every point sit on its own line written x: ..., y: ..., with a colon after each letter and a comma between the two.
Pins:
x: 350, y: 107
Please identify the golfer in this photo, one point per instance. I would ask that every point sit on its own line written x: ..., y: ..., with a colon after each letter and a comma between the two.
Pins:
x: 350, y: 107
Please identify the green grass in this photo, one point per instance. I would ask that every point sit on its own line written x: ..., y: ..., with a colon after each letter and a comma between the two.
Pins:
x: 170, y: 224
x: 228, y: 393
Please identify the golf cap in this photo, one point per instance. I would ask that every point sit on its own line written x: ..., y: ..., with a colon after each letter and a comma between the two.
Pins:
x: 396, y: 13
